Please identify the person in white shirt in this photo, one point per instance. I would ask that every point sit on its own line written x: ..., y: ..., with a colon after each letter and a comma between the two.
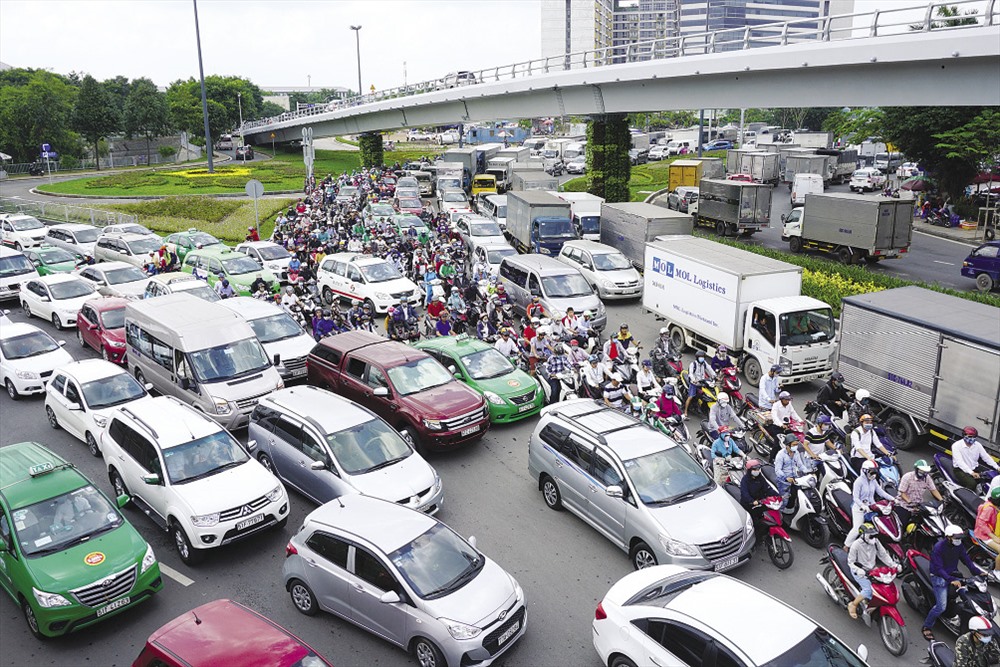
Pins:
x: 645, y: 381
x: 966, y: 455
x: 782, y: 415
x: 506, y: 345
x: 865, y: 443
x: 770, y: 386
x: 595, y: 374
x: 571, y: 322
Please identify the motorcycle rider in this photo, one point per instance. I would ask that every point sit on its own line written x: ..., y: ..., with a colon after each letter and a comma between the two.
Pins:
x: 645, y: 382
x: 858, y: 407
x: 616, y: 395
x: 986, y: 525
x: 289, y: 299
x: 722, y: 414
x: 724, y: 448
x: 754, y: 488
x: 555, y: 365
x: 224, y: 289
x: 721, y: 359
x: 833, y: 396
x: 789, y: 464
x: 865, y: 442
x: 666, y: 404
x: 535, y: 308
x: 862, y: 557
x: 976, y: 647
x: 577, y: 355
x: 324, y: 326
x: 770, y: 387
x: 258, y: 285
x: 699, y: 372
x: 595, y: 374
x: 866, y: 487
x: 913, y: 487
x: 783, y: 415
x: 820, y: 438
x: 967, y: 453
x: 944, y: 572
x: 505, y: 344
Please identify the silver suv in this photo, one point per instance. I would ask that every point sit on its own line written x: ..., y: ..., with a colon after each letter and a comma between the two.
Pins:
x: 326, y: 446
x: 407, y: 578
x: 637, y: 487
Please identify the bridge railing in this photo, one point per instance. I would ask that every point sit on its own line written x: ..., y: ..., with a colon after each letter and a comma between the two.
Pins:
x: 859, y: 25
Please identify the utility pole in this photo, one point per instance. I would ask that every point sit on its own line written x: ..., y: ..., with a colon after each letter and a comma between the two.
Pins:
x: 357, y: 39
x: 204, y: 98
x: 239, y: 101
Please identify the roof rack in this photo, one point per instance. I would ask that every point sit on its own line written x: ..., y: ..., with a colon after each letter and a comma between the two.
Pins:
x: 599, y: 407
x: 138, y: 419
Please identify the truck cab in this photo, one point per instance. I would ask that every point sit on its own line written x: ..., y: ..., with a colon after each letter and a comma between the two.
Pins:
x: 796, y: 332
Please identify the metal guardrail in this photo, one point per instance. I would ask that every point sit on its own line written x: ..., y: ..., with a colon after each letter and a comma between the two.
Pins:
x: 56, y: 212
x: 860, y: 25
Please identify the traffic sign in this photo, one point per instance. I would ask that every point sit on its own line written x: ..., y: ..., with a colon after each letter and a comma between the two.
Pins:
x: 255, y: 188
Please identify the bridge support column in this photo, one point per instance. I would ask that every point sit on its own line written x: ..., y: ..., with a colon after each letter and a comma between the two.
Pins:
x: 608, y: 166
x: 370, y: 146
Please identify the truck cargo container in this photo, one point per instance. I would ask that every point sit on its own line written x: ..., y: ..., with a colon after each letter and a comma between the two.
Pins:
x: 533, y: 180
x: 586, y: 213
x: 711, y: 167
x: 733, y: 156
x: 733, y: 207
x: 628, y: 226
x: 538, y: 222
x: 931, y: 362
x: 684, y: 172
x: 640, y: 141
x: 805, y: 164
x: 843, y: 164
x: 712, y: 294
x: 517, y: 152
x: 762, y: 167
x: 813, y: 139
x: 502, y: 169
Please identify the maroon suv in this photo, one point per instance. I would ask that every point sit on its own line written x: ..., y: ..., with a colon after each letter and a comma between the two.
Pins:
x: 405, y: 386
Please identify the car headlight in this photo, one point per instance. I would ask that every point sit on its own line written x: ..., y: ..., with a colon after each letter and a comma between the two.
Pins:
x: 545, y: 251
x: 677, y: 548
x: 518, y: 593
x: 493, y: 398
x: 786, y: 365
x: 116, y: 344
x: 273, y: 267
x: 437, y: 482
x: 274, y: 494
x: 205, y: 520
x: 460, y: 630
x: 433, y: 424
x: 27, y: 375
x: 100, y: 421
x: 607, y: 284
x: 148, y: 559
x: 222, y: 407
x: 382, y: 295
x: 748, y: 527
x: 49, y: 600
x: 280, y: 385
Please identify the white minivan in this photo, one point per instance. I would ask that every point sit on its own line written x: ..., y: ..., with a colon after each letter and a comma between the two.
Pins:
x: 357, y: 277
x: 805, y: 184
x: 284, y: 340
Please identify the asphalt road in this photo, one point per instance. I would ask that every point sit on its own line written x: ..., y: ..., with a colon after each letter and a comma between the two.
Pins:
x: 564, y: 566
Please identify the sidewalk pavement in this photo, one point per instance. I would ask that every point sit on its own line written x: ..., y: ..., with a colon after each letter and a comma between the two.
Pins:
x: 971, y: 237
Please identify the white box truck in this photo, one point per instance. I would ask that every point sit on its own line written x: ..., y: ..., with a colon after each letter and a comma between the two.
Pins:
x: 712, y: 294
x: 501, y: 168
x: 813, y: 139
x: 586, y: 213
x: 762, y: 167
x: 629, y: 225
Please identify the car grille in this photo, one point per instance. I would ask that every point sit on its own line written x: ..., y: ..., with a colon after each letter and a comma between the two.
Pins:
x: 45, y: 374
x: 814, y: 366
x: 490, y: 640
x: 630, y: 283
x: 295, y: 364
x: 243, y: 510
x: 101, y: 592
x: 400, y: 295
x: 462, y: 420
x: 523, y: 399
x: 420, y: 496
x: 248, y: 403
x: 726, y: 547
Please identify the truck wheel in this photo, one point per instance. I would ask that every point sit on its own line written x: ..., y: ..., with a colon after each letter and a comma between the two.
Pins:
x: 901, y: 432
x: 990, y: 233
x: 984, y: 283
x: 845, y: 256
x: 720, y: 228
x: 751, y: 369
x: 795, y: 244
x: 677, y: 338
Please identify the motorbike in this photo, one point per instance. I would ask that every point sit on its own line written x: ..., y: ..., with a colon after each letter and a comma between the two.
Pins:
x: 972, y: 598
x: 890, y: 529
x: 665, y: 365
x: 926, y: 526
x: 943, y: 217
x: 939, y: 654
x: 672, y: 426
x: 706, y: 396
x: 838, y: 582
x: 963, y: 503
x: 804, y: 510
x: 738, y: 435
x: 838, y: 501
x: 838, y: 424
x: 779, y: 544
x: 627, y: 366
x: 729, y: 382
x: 761, y: 439
x: 569, y: 383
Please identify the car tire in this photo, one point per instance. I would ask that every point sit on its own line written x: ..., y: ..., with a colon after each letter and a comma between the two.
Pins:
x: 79, y: 337
x: 550, y: 493
x: 795, y: 244
x: 302, y: 597
x: 105, y: 355
x: 11, y: 390
x: 410, y: 436
x: 92, y: 445
x: 642, y: 556
x: 117, y: 483
x: 51, y: 416
x: 26, y: 309
x: 265, y: 461
x: 31, y: 619
x: 622, y: 661
x: 56, y: 322
x: 188, y: 553
x: 427, y: 653
x: 139, y: 377
x: 328, y: 296
x: 984, y: 283
x: 900, y: 432
x: 721, y: 229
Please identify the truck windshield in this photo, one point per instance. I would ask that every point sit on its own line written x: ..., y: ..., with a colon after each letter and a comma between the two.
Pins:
x: 560, y: 228
x: 225, y: 362
x: 58, y: 523
x: 590, y: 224
x: 806, y: 327
x: 565, y: 286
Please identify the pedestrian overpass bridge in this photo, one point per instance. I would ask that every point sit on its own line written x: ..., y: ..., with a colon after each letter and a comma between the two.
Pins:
x: 830, y: 62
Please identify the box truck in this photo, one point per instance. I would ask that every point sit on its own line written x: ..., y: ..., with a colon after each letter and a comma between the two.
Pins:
x: 538, y: 222
x: 628, y: 226
x: 468, y: 158
x: 843, y: 164
x: 586, y: 213
x: 797, y: 163
x: 853, y: 228
x: 931, y: 362
x: 733, y: 207
x: 733, y: 156
x: 711, y: 167
x: 502, y: 169
x: 533, y: 180
x: 684, y: 172
x: 813, y: 139
x: 712, y: 294
x: 762, y: 167
x: 517, y: 152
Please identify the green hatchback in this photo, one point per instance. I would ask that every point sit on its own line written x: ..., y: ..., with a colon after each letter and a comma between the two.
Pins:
x: 181, y: 243
x: 510, y: 392
x: 68, y: 558
x: 208, y: 263
x: 50, y: 259
x: 405, y: 222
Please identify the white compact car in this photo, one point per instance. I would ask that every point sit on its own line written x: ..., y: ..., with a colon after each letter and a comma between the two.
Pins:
x: 81, y: 239
x: 608, y: 271
x: 56, y: 298
x: 365, y: 278
x: 284, y: 340
x: 269, y: 255
x: 115, y: 279
x: 21, y: 231
x: 28, y: 356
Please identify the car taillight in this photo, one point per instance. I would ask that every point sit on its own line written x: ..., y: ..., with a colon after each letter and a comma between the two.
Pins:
x: 599, y: 615
x: 290, y: 550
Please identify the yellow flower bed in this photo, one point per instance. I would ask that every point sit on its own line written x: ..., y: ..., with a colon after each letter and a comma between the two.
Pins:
x: 832, y: 287
x: 204, y: 173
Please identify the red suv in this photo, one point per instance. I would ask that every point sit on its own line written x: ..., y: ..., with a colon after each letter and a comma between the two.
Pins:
x: 407, y: 387
x: 226, y: 633
x: 101, y: 325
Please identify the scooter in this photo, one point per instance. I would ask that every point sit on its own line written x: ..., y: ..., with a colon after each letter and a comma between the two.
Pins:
x: 926, y: 526
x: 665, y: 365
x: 838, y: 502
x: 706, y: 396
x: 628, y: 366
x: 946, y: 468
x: 804, y: 510
x: 837, y: 422
x: 939, y: 654
x: 890, y: 530
x: 569, y: 384
x: 838, y: 582
x: 972, y: 598
x: 963, y: 504
x: 778, y: 542
x: 729, y: 382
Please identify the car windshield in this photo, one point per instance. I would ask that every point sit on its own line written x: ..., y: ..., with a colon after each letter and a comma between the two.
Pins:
x: 485, y: 229
x: 612, y: 261
x: 276, y: 327
x: 144, y: 246
x: 24, y: 224
x: 112, y: 390
x: 410, y: 203
x: 114, y: 318
x: 238, y: 266
x: 128, y: 274
x: 55, y: 256
x: 486, y: 364
x: 367, y: 447
x: 133, y: 229
x: 202, y: 292
x: 29, y: 345
x: 590, y: 224
x: 437, y: 562
x: 667, y: 476
x: 70, y: 289
x: 806, y: 327
x: 348, y: 191
x: 566, y: 285
x: 496, y: 256
x: 818, y: 649
x: 382, y: 210
x: 419, y: 375
x: 59, y: 523
x: 203, y: 239
x: 87, y: 235
x: 203, y: 457
x: 388, y: 180
x: 270, y: 252
x: 409, y: 221
x: 380, y: 273
x: 229, y: 361
x: 560, y: 228
x: 454, y: 197
x: 444, y: 183
x: 15, y: 265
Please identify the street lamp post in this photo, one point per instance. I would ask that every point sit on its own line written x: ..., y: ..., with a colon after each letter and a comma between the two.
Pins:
x: 239, y: 101
x: 204, y: 98
x: 357, y: 39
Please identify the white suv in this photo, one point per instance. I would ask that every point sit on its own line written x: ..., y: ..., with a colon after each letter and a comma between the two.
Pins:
x: 190, y: 476
x: 371, y: 280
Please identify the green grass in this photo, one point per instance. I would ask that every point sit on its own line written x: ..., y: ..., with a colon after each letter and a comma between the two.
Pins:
x: 226, y: 219
x: 646, y: 178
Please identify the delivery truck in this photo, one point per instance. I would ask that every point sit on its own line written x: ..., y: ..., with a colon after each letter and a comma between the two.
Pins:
x: 733, y: 207
x: 762, y: 167
x: 813, y: 139
x: 712, y: 294
x: 684, y: 173
x: 628, y: 226
x: 469, y: 159
x: 733, y: 156
x: 843, y: 164
x: 805, y: 164
x: 517, y: 152
x: 851, y: 227
x: 931, y: 362
x: 533, y: 180
x: 538, y: 222
x: 502, y: 169
x: 711, y: 167
x: 586, y: 213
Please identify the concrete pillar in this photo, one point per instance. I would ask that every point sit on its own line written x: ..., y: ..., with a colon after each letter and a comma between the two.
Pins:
x: 370, y: 145
x: 608, y: 166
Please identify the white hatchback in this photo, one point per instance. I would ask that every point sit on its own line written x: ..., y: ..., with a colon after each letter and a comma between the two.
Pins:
x: 56, y: 298
x: 28, y: 357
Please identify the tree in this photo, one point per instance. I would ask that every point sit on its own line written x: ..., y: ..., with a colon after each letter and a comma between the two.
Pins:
x: 953, y: 18
x: 225, y: 95
x: 95, y: 114
x: 146, y: 112
x: 977, y: 143
x: 35, y: 108
x: 118, y: 89
x: 855, y: 125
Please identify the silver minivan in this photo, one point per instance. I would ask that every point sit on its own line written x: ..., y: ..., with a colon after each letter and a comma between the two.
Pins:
x: 284, y: 340
x: 200, y: 352
x: 558, y: 286
x: 74, y: 237
x: 608, y: 270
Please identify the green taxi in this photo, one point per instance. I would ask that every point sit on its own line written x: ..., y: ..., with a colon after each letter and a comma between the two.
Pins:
x: 181, y: 243
x: 208, y: 263
x: 510, y: 392
x: 50, y: 259
x: 68, y: 558
x: 404, y: 222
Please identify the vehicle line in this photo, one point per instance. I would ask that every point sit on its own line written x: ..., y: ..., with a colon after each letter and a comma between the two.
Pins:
x: 938, y: 261
x: 175, y: 575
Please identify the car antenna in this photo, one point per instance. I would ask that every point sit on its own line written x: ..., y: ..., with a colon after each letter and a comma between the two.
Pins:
x: 197, y: 621
x: 340, y: 502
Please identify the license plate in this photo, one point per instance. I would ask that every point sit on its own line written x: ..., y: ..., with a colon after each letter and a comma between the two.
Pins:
x: 510, y: 632
x: 117, y: 604
x: 469, y: 431
x: 250, y: 522
x: 525, y: 408
x: 726, y: 564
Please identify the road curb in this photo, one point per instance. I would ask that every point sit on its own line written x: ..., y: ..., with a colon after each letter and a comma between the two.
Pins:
x: 963, y: 236
x: 277, y: 193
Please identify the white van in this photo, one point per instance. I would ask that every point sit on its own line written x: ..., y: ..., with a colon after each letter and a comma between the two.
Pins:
x: 493, y: 207
x: 200, y: 352
x: 284, y: 340
x: 535, y: 145
x: 805, y: 184
x: 14, y: 270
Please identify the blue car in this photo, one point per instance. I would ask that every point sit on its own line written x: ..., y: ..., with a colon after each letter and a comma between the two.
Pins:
x: 718, y: 145
x: 983, y: 264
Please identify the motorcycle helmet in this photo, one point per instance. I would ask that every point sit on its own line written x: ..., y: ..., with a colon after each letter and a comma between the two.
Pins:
x: 593, y: 358
x: 664, y: 331
x: 776, y: 368
x: 995, y: 495
x: 869, y: 467
x: 970, y: 432
x: 866, y: 418
x: 980, y: 624
x: 587, y: 314
x: 668, y: 390
x: 723, y: 398
x: 722, y: 350
x: 752, y: 464
x: 225, y: 282
x: 543, y: 331
x: 624, y: 326
x: 867, y: 530
x: 791, y: 439
x: 784, y: 395
x: 574, y: 343
x: 824, y: 419
x: 289, y: 290
x: 615, y: 377
x: 723, y: 429
x: 920, y: 465
x: 646, y: 363
x: 327, y: 312
x: 952, y: 531
x: 862, y: 395
x: 837, y: 377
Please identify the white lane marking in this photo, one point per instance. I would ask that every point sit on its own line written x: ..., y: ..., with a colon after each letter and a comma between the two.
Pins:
x: 938, y: 261
x: 944, y: 238
x: 175, y: 575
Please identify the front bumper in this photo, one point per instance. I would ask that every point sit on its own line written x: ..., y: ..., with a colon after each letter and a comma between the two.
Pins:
x: 620, y: 292
x: 227, y: 532
x: 63, y: 620
x: 445, y: 440
x: 483, y: 650
x: 512, y: 412
x: 29, y: 387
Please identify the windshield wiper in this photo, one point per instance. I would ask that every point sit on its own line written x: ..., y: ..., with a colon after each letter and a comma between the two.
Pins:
x: 687, y: 495
x: 384, y: 464
x: 209, y: 473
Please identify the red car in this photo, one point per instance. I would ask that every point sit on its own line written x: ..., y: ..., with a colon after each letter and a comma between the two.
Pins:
x: 409, y: 205
x: 226, y: 633
x: 744, y: 178
x: 101, y: 325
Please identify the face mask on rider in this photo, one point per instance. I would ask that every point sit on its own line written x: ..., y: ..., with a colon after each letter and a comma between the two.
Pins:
x: 755, y: 473
x: 869, y: 539
x: 866, y: 427
x: 986, y: 639
x: 957, y: 541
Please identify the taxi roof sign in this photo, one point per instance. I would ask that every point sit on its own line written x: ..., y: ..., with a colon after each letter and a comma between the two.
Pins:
x: 41, y: 469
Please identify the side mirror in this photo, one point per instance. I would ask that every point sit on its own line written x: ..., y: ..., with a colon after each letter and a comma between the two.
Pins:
x: 472, y: 541
x: 76, y: 407
x: 452, y: 369
x: 317, y: 465
x: 148, y: 386
x: 62, y: 343
x: 277, y: 359
x: 381, y: 391
x: 389, y: 597
x: 783, y: 216
x: 3, y: 547
x: 122, y: 501
x: 614, y: 492
x: 152, y: 479
x: 45, y: 298
x: 535, y: 292
x: 185, y: 383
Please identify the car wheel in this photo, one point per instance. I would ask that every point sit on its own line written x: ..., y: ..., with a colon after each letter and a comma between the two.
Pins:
x: 642, y: 556
x: 411, y: 437
x: 26, y: 308
x: 188, y: 554
x: 622, y: 661
x: 117, y: 483
x: 104, y: 354
x: 303, y: 598
x: 79, y: 337
x: 18, y: 247
x: 328, y: 296
x: 53, y: 422
x: 371, y: 304
x: 984, y: 283
x: 11, y: 390
x: 265, y: 461
x: 56, y: 322
x: 31, y: 619
x: 900, y: 432
x: 139, y: 377
x: 427, y: 653
x: 720, y: 228
x: 550, y: 493
x: 845, y: 256
x: 92, y: 444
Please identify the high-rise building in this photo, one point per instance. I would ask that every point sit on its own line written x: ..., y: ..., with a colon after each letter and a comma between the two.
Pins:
x: 572, y: 26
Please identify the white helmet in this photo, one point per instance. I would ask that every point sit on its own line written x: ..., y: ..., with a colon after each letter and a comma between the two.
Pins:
x: 980, y: 624
x: 723, y: 398
x: 664, y: 331
x: 868, y: 465
x: 953, y: 531
x: 862, y: 394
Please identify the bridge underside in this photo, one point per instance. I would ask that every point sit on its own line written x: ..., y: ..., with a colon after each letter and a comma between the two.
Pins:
x: 933, y: 69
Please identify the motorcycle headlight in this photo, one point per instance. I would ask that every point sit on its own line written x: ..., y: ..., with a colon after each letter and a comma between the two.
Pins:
x: 205, y: 520
x: 677, y: 548
x: 100, y: 421
x: 433, y: 424
x: 274, y: 494
x: 49, y: 600
x: 27, y: 375
x: 460, y: 630
x: 222, y: 407
x: 148, y: 559
x: 493, y: 398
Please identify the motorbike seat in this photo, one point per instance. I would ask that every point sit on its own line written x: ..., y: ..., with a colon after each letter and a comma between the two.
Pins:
x: 752, y: 400
x: 943, y: 654
x: 840, y: 556
x: 705, y: 427
x: 769, y: 475
x: 945, y: 464
x: 923, y: 566
x: 970, y: 500
x: 733, y: 490
x: 844, y: 500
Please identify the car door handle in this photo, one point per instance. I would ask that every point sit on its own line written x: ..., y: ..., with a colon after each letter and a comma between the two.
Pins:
x: 358, y: 587
x: 593, y: 489
x: 559, y: 464
x: 302, y: 463
x: 311, y: 562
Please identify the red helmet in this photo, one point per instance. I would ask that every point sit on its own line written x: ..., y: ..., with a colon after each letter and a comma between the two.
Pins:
x: 970, y: 432
x: 752, y: 464
x: 723, y: 429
